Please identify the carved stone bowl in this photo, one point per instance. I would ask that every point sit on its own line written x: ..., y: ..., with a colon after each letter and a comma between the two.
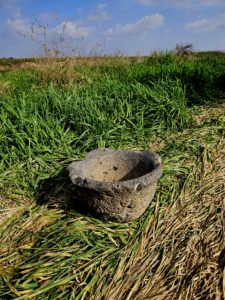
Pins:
x: 116, y: 185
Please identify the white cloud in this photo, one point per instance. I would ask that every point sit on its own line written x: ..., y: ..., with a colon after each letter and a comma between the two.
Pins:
x: 143, y: 25
x: 18, y: 26
x: 12, y: 7
x: 166, y: 2
x: 61, y: 36
x: 73, y: 30
x: 24, y: 27
x: 21, y: 26
x: 207, y: 24
x: 100, y: 14
x: 182, y: 3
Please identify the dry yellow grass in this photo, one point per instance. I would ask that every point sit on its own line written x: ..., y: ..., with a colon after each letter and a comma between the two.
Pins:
x: 182, y: 252
x: 11, y: 205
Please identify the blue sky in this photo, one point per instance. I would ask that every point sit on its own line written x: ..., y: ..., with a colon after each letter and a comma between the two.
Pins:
x: 127, y: 26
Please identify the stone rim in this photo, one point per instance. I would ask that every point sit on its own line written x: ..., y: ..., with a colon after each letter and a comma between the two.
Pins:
x: 151, y: 177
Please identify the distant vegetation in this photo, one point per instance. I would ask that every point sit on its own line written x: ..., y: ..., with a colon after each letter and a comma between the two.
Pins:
x: 53, y: 111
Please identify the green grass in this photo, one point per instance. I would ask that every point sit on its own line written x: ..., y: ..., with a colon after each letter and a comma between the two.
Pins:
x: 51, y: 115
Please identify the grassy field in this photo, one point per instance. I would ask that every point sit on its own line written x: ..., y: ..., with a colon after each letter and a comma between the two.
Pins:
x: 53, y: 112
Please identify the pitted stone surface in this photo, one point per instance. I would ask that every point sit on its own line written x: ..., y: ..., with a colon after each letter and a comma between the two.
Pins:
x: 116, y: 185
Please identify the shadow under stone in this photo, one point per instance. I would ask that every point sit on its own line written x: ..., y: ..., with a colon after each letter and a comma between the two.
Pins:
x: 59, y: 191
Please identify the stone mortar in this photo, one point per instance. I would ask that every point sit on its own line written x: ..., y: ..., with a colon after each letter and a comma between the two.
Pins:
x: 116, y: 185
